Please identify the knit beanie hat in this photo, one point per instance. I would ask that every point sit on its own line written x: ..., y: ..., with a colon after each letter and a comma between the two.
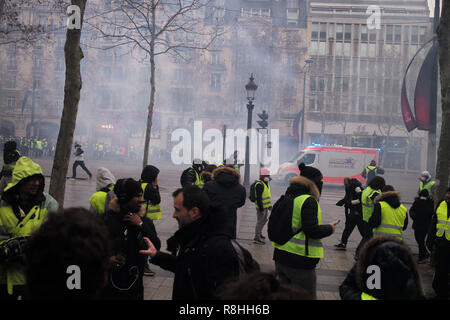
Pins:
x: 127, y: 189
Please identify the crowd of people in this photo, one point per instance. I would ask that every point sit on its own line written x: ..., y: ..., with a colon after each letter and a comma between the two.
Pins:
x: 47, y: 252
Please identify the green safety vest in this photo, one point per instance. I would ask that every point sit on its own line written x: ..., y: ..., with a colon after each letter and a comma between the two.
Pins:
x: 98, y: 201
x: 443, y: 222
x: 198, y: 180
x: 13, y: 274
x: 38, y: 144
x: 367, y: 203
x: 366, y: 296
x: 266, y: 196
x: 153, y: 210
x: 298, y: 244
x: 392, y: 221
x: 427, y: 186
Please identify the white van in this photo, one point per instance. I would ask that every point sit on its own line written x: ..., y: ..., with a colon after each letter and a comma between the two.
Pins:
x: 335, y: 163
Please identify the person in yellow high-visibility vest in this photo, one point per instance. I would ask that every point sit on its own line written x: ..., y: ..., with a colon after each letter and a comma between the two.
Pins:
x: 296, y: 260
x: 105, y: 184
x: 439, y: 239
x: 10, y: 156
x: 389, y: 217
x: 367, y: 197
x: 426, y: 183
x: 23, y: 208
x: 152, y: 200
x: 263, y: 204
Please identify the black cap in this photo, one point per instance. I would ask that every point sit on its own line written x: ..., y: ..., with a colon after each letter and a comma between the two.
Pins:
x: 126, y: 189
x: 309, y: 172
x: 149, y: 173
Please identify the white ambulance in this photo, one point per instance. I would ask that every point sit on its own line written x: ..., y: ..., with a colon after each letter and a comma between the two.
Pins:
x: 335, y: 162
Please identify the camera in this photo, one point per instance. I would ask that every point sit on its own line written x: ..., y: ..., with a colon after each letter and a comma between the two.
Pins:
x: 12, y: 248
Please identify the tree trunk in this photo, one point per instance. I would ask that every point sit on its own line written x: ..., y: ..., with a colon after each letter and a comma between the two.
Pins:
x: 148, y: 130
x: 443, y: 157
x: 73, y: 55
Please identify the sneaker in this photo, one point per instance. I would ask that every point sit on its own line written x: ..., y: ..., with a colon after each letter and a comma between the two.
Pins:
x: 262, y: 237
x: 340, y: 246
x: 148, y: 271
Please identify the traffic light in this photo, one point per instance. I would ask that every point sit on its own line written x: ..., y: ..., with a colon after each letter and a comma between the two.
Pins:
x: 263, y: 122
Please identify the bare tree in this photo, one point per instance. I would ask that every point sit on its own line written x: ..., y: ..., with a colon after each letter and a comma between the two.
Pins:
x: 157, y: 27
x: 73, y: 55
x: 15, y: 29
x: 443, y: 157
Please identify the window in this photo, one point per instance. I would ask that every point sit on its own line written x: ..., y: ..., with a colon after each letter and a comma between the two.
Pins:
x: 321, y: 84
x: 363, y: 51
x: 339, y: 49
x: 347, y: 49
x: 363, y: 68
x: 216, y: 58
x: 356, y: 32
x: 373, y: 35
x: 323, y: 31
x: 363, y: 33
x: 345, y: 84
x: 398, y: 34
x: 348, y: 32
x: 314, y: 48
x: 292, y: 4
x: 315, y: 30
x: 308, y: 158
x: 322, y: 48
x: 423, y: 31
x: 12, y: 63
x: 11, y: 82
x: 292, y: 16
x: 389, y: 33
x: 312, y: 84
x: 11, y: 101
x: 362, y: 86
x: 339, y: 31
x: 372, y: 50
x: 215, y: 81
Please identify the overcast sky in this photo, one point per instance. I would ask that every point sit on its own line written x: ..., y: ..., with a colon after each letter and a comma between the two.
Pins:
x: 431, y: 5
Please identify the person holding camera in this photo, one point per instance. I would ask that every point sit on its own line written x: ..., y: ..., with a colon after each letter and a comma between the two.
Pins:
x: 128, y: 227
x: 23, y: 209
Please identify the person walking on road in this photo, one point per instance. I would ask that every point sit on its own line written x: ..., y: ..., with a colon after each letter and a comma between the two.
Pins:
x: 371, y: 171
x: 263, y: 204
x: 296, y: 260
x: 389, y: 217
x: 79, y: 161
x: 367, y: 197
x: 421, y: 212
x: 353, y: 210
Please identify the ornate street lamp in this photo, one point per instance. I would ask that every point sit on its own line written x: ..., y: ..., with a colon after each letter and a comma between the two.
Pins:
x: 251, y: 89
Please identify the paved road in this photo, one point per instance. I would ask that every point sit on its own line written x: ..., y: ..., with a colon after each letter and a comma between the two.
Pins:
x: 330, y: 271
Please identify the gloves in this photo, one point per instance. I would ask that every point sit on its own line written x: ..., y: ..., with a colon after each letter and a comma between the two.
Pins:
x: 340, y: 203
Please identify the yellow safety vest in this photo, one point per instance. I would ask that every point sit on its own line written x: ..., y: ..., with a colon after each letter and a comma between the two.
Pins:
x: 198, y: 180
x: 13, y: 274
x: 392, y: 221
x: 367, y: 203
x: 366, y: 296
x: 443, y: 223
x: 297, y: 244
x: 266, y: 196
x: 153, y: 210
x: 98, y: 201
x: 427, y: 186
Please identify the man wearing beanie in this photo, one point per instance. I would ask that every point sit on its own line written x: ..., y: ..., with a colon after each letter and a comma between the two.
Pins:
x: 127, y: 226
x: 296, y: 260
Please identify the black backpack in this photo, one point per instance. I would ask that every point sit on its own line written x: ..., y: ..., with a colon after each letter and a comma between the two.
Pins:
x: 279, y: 227
x: 252, y: 195
x: 246, y: 262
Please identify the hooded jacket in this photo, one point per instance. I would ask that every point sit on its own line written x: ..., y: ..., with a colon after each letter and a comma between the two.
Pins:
x: 22, y: 219
x: 352, y: 198
x: 399, y: 277
x: 150, y: 193
x: 225, y: 189
x: 124, y: 241
x: 298, y: 186
x: 105, y: 184
x: 421, y: 212
x: 393, y: 199
x: 203, y: 257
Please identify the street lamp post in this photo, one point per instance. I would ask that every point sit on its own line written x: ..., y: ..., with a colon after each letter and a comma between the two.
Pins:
x: 307, y: 64
x: 251, y: 89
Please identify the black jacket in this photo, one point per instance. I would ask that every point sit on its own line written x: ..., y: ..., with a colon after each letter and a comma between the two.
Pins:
x: 352, y: 198
x: 203, y: 258
x: 225, y: 189
x: 421, y: 212
x: 125, y: 242
x: 187, y: 177
x: 299, y: 186
x: 393, y: 199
